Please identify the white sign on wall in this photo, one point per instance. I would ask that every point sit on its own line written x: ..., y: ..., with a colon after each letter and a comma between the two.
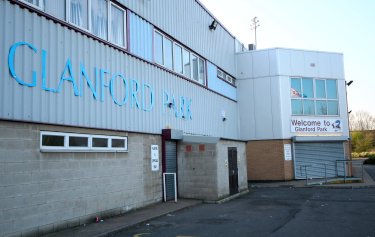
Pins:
x: 302, y: 125
x: 154, y: 157
x: 287, y: 152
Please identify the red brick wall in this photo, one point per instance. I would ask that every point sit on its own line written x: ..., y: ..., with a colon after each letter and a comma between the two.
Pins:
x: 265, y: 161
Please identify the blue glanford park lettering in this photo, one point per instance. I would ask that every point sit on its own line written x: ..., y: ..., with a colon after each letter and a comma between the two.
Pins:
x: 139, y: 95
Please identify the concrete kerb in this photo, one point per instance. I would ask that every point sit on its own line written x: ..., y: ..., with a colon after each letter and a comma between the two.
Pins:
x: 226, y: 199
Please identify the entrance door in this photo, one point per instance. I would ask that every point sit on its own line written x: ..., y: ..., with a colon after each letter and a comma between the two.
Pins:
x: 170, y: 167
x: 233, y: 170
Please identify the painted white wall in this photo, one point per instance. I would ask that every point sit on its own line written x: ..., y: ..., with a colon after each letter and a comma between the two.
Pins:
x: 263, y: 79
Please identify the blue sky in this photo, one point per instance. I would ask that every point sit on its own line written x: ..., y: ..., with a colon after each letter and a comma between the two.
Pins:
x: 345, y: 26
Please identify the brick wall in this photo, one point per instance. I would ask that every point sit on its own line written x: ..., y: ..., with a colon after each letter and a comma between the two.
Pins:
x: 265, y: 161
x: 46, y: 192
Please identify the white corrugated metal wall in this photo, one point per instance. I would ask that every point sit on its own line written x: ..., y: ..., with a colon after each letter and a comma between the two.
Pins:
x: 34, y: 104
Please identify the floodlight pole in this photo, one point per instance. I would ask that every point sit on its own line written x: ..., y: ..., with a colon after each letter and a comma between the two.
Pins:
x: 254, y: 25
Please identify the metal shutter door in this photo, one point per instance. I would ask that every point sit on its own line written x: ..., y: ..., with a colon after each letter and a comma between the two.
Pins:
x: 170, y: 167
x: 311, y: 157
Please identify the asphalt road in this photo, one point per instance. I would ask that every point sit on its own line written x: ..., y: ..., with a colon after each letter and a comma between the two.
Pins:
x: 273, y: 212
x: 370, y: 169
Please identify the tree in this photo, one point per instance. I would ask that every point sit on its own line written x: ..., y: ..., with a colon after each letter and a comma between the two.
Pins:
x: 361, y: 121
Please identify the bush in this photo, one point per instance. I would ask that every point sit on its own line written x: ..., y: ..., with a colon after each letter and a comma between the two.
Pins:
x: 363, y: 154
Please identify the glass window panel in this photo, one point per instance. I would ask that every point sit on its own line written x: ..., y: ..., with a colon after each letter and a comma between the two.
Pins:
x: 117, y: 25
x: 297, y: 108
x: 333, y: 108
x: 99, y: 142
x: 321, y: 107
x: 331, y: 89
x: 186, y: 62
x: 201, y: 71
x: 320, y: 89
x: 99, y: 18
x: 177, y: 64
x: 158, y: 48
x: 78, y: 141
x: 78, y: 13
x: 308, y: 107
x: 55, y: 8
x: 295, y: 90
x: 307, y: 88
x: 118, y: 143
x: 52, y: 140
x: 194, y: 64
x: 167, y: 45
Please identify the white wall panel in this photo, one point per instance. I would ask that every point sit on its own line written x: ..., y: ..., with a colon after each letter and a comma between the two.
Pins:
x: 20, y: 102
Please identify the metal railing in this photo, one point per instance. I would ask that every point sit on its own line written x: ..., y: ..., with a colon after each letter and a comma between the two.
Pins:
x: 343, y: 169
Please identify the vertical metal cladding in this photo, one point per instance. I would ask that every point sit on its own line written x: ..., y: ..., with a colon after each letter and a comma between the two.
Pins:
x: 140, y: 37
x: 188, y: 22
x: 127, y: 81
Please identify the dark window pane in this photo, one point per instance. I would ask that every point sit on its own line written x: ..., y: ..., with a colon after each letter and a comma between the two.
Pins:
x: 78, y: 141
x: 308, y: 107
x: 168, y: 63
x: 99, y: 142
x: 194, y: 61
x: 333, y: 108
x: 119, y: 143
x: 297, y: 108
x: 320, y: 88
x: 307, y: 87
x: 158, y: 48
x: 321, y: 107
x: 52, y: 140
x: 202, y: 71
x: 331, y: 89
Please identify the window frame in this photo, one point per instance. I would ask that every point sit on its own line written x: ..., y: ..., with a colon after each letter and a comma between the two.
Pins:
x: 89, y: 148
x: 315, y: 99
x: 39, y: 6
x: 67, y: 18
x: 109, y: 28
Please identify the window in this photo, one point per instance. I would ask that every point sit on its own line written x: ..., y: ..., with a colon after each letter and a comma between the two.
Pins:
x: 117, y: 25
x: 75, y: 142
x: 35, y: 3
x: 314, y: 96
x: 220, y: 74
x: 99, y: 18
x: 167, y: 53
x: 177, y: 59
x: 186, y: 63
x: 158, y: 48
x: 78, y: 10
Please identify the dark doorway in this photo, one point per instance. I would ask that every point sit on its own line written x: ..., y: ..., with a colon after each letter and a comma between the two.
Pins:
x: 170, y: 166
x: 233, y: 170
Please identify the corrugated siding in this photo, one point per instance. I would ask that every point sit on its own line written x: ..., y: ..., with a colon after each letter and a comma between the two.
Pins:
x: 318, y: 159
x: 140, y: 34
x: 34, y: 104
x: 188, y: 22
x: 218, y: 85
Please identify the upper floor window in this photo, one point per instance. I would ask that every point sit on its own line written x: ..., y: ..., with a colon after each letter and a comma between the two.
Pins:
x: 117, y: 25
x: 78, y: 13
x: 175, y: 57
x: 37, y: 3
x: 314, y: 96
x: 226, y: 77
x: 99, y: 18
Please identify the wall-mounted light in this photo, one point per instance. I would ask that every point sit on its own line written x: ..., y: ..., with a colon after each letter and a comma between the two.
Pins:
x: 349, y: 112
x: 349, y: 83
x: 213, y: 25
x: 170, y: 105
x: 224, y: 119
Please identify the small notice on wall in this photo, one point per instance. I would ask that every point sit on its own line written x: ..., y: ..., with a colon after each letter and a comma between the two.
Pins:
x: 154, y: 157
x: 287, y: 152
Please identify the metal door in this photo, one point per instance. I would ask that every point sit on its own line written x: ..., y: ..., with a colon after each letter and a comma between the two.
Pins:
x: 318, y: 159
x: 233, y: 170
x: 170, y: 167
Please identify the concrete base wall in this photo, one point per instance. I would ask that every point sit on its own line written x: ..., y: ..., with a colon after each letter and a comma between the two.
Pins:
x: 265, y: 161
x: 203, y: 170
x: 46, y: 192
